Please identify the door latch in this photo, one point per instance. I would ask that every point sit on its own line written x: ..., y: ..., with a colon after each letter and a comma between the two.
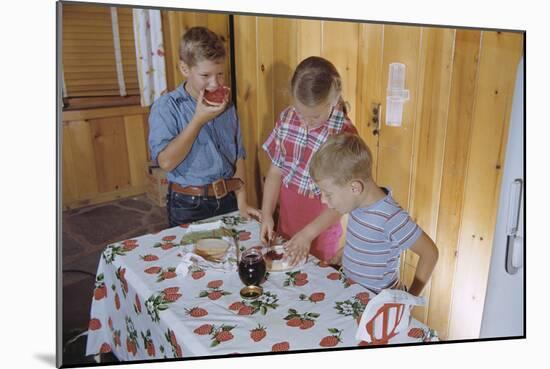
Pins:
x: 376, y: 118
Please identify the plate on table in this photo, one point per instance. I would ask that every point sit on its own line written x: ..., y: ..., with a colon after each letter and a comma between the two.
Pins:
x: 211, y: 249
x: 276, y: 259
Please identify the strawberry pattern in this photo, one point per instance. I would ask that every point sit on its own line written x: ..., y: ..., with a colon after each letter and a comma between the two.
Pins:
x: 204, y: 329
x: 94, y: 324
x: 100, y: 290
x: 117, y: 298
x: 213, y: 291
x: 129, y: 245
x: 166, y: 273
x: 170, y: 336
x: 120, y: 274
x: 144, y: 307
x: 259, y: 333
x: 302, y: 321
x: 132, y: 343
x: 137, y: 305
x: 116, y: 338
x: 333, y: 339
x: 314, y: 297
x: 244, y: 236
x: 296, y: 278
x: 149, y: 257
x: 196, y: 312
x: 280, y: 346
x: 164, y: 245
x: 148, y: 343
x: 339, y: 276
x: 221, y: 334
x: 158, y: 302
x: 196, y: 272
x: 416, y: 333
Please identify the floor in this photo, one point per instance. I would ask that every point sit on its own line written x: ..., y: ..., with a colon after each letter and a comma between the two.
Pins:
x: 85, y: 233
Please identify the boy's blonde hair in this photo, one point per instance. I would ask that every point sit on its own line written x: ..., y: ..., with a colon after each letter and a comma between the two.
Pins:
x: 200, y: 43
x: 314, y: 80
x: 342, y: 158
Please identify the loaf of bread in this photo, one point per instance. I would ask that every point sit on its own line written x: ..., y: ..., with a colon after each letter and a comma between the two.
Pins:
x: 213, y: 249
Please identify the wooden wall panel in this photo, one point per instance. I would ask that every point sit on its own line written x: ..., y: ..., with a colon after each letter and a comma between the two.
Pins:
x: 369, y: 85
x: 457, y: 143
x: 137, y: 148
x: 429, y: 137
x: 69, y: 188
x: 78, y: 139
x: 104, y: 154
x: 111, y: 153
x: 266, y: 115
x: 337, y: 36
x: 499, y: 58
x: 247, y: 99
x: 285, y: 60
x: 401, y: 44
x: 309, y: 38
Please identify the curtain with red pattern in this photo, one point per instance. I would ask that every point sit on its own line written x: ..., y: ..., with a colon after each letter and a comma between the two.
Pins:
x: 151, y: 66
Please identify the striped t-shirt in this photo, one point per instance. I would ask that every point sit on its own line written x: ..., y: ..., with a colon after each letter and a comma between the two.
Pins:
x: 375, y: 238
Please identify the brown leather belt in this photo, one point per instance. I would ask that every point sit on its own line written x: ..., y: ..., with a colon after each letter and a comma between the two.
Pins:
x: 217, y: 189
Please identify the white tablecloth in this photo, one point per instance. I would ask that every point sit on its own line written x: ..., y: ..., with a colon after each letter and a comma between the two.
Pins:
x: 143, y: 309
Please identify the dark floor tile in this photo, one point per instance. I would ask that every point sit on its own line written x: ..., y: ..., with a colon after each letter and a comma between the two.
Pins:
x: 79, y: 269
x: 71, y: 247
x: 139, y: 203
x: 77, y: 300
x: 155, y: 217
x: 104, y: 224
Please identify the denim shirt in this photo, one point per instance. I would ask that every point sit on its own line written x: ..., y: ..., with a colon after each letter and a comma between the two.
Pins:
x: 216, y: 149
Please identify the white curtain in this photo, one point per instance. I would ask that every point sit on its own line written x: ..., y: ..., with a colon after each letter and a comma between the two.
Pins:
x: 149, y: 55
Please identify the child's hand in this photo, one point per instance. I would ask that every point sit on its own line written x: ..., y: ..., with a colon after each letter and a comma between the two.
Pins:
x: 205, y: 113
x: 266, y: 232
x: 249, y: 212
x: 298, y: 247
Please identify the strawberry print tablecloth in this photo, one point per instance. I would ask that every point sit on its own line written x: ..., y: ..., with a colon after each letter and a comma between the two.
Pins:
x: 143, y: 309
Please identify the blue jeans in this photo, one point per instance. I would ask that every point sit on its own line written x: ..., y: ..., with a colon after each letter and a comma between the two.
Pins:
x: 183, y: 208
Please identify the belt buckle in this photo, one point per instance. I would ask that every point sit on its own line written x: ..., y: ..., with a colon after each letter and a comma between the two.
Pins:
x: 216, y: 187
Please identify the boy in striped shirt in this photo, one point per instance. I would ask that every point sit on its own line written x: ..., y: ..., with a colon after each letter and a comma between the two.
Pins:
x: 378, y: 229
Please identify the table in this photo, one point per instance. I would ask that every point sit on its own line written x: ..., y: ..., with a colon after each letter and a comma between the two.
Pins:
x: 143, y: 309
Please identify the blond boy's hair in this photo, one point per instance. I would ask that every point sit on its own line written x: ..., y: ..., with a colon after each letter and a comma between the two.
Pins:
x: 342, y: 158
x: 200, y: 43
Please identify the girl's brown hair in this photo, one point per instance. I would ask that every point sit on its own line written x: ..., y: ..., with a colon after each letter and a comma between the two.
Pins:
x: 314, y: 80
x: 200, y: 43
x: 342, y: 158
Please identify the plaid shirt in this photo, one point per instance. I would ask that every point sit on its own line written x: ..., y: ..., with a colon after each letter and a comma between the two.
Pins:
x: 291, y: 145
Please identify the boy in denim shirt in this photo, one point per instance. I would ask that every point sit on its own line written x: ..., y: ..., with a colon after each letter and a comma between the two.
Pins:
x: 198, y: 142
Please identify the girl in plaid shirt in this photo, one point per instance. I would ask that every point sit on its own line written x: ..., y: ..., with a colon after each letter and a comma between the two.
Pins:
x: 318, y: 111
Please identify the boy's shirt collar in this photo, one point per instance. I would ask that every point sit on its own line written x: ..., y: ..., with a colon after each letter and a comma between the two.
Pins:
x: 388, y: 192
x: 186, y: 95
